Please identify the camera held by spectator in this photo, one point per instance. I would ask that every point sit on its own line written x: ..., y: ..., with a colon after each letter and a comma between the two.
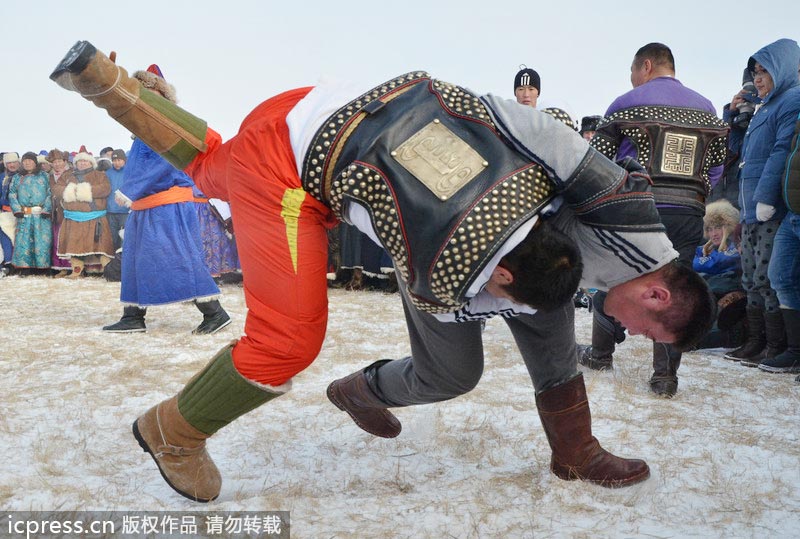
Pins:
x: 747, y: 108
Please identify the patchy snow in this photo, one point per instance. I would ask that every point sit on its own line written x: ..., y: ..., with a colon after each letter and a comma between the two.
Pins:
x: 724, y: 453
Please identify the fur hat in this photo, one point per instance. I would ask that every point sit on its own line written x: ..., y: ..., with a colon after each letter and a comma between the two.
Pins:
x: 590, y: 123
x: 153, y: 79
x: 527, y: 77
x: 10, y: 157
x: 723, y: 214
x: 85, y: 156
x: 55, y: 153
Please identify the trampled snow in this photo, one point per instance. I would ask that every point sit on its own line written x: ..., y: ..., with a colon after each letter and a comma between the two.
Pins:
x: 724, y: 453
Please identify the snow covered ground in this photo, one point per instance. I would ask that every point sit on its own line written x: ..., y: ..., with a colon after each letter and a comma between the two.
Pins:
x: 724, y: 454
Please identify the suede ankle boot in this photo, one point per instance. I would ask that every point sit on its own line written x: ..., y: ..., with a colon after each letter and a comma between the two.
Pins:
x: 174, y: 432
x: 179, y: 450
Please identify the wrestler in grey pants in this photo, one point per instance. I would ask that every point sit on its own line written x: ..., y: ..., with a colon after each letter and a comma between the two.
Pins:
x: 447, y: 358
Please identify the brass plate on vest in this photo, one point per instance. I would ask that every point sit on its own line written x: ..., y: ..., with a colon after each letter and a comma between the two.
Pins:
x: 679, y: 154
x: 439, y: 159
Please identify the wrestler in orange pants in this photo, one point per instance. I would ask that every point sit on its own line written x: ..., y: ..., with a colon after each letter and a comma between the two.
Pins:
x: 281, y: 237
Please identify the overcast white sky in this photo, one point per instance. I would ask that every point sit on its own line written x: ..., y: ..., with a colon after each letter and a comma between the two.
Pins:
x: 226, y: 57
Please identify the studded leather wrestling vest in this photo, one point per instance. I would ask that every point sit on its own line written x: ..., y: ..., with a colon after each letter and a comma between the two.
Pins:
x: 677, y: 146
x: 443, y: 187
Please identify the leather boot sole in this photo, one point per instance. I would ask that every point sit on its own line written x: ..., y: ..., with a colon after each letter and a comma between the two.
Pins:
x: 146, y: 449
x: 568, y: 474
x: 76, y: 59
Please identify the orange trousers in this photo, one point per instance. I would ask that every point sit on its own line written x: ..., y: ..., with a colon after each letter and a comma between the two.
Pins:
x: 281, y: 237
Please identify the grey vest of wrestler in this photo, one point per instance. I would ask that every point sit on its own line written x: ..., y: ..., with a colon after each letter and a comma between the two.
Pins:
x: 443, y: 187
x: 791, y: 180
x: 677, y: 146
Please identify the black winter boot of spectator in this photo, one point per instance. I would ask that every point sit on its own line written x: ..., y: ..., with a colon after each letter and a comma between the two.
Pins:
x: 787, y: 361
x: 132, y: 321
x: 214, y: 317
x: 756, y: 337
x: 598, y: 356
x: 666, y: 360
x: 775, y: 334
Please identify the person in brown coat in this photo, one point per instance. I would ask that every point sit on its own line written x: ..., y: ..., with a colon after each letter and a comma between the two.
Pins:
x: 59, y: 177
x: 85, y: 237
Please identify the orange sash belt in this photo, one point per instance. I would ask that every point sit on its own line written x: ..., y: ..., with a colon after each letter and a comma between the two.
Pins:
x: 170, y: 196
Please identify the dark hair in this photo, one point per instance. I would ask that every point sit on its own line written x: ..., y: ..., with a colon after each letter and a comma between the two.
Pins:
x: 694, y: 307
x: 546, y: 266
x: 658, y: 53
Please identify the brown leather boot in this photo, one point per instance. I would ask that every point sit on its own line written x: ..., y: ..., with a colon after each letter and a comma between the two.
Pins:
x: 169, y: 130
x: 567, y: 421
x: 179, y: 451
x: 353, y: 395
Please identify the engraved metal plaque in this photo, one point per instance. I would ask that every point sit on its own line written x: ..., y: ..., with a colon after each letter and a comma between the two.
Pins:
x: 439, y: 159
x: 679, y: 154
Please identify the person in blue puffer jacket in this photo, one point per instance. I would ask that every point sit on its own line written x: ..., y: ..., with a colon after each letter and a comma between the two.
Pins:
x: 764, y: 152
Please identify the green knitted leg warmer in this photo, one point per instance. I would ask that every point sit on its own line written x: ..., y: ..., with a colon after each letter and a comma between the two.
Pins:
x: 219, y: 394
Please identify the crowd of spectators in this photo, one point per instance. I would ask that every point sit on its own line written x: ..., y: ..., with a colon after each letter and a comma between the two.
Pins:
x: 61, y: 216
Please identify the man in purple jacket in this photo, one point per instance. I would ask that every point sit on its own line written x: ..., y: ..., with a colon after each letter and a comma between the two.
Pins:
x: 675, y: 134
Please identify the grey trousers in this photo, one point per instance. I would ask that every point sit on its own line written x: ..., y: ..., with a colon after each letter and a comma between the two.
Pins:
x: 447, y: 358
x: 116, y: 222
x: 757, y: 242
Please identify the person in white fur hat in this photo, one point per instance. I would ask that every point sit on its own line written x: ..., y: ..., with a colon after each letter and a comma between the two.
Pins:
x: 85, y: 236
